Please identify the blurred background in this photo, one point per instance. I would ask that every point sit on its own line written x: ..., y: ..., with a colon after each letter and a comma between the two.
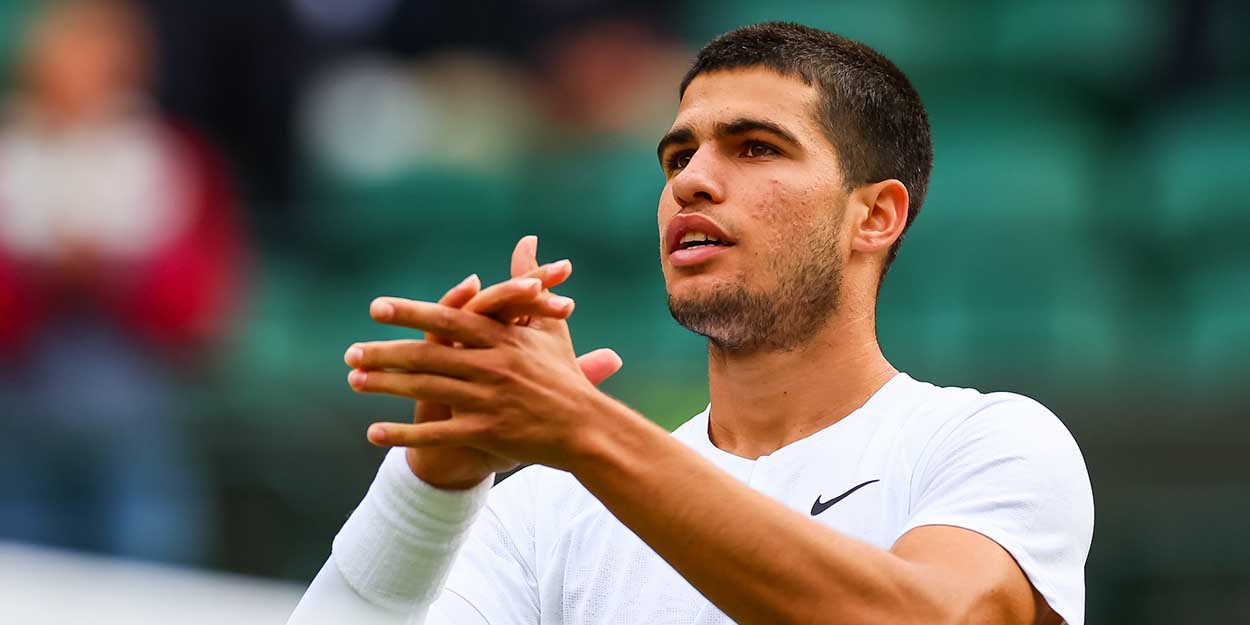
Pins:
x: 198, y: 200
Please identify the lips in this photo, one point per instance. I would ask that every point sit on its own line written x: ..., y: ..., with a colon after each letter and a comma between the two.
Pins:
x: 693, y: 222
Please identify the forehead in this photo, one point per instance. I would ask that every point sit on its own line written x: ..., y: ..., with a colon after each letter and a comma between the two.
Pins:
x: 751, y: 93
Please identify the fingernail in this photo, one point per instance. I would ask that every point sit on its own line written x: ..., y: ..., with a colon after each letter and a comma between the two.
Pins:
x: 467, y: 281
x: 561, y: 264
x: 357, y: 378
x: 382, y: 309
x: 529, y: 283
x: 560, y: 303
x: 377, y: 433
x: 353, y: 356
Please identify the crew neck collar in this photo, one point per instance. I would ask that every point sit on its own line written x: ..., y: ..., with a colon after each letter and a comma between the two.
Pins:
x: 696, y: 432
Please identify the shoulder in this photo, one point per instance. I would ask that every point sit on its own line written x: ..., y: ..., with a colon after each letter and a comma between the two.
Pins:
x: 1004, y: 466
x: 937, y: 418
x: 1008, y: 424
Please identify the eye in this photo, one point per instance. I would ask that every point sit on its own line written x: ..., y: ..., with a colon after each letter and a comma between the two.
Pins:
x: 678, y: 160
x: 756, y: 149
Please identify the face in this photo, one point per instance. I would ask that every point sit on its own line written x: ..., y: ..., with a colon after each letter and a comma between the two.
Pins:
x: 83, y: 56
x: 747, y: 164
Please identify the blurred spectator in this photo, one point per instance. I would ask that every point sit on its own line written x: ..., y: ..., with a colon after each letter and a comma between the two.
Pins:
x: 119, y: 257
x: 613, y: 75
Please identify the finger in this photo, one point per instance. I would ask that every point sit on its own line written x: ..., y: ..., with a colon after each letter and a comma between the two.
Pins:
x: 457, y: 297
x: 458, y: 432
x: 441, y: 389
x: 546, y: 306
x: 460, y: 294
x: 599, y: 365
x: 518, y: 294
x: 552, y: 274
x: 525, y: 256
x: 457, y: 325
x: 412, y: 356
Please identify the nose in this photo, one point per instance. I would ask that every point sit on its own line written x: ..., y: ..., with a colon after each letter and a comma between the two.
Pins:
x: 699, y: 180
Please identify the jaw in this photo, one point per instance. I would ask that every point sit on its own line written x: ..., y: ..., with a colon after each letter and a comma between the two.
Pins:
x: 685, y: 283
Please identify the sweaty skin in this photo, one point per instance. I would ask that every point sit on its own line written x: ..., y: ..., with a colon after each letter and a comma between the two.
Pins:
x: 517, y: 391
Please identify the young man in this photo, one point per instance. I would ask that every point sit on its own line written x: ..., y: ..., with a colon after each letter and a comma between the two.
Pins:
x: 820, y: 485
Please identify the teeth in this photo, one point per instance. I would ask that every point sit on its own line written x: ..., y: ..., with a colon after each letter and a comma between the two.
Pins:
x: 696, y: 236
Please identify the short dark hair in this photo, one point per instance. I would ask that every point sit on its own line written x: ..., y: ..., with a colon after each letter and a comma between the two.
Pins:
x: 868, y: 108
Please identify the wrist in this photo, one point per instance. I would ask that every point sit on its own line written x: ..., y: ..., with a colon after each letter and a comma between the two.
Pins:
x: 618, y: 441
x: 460, y: 478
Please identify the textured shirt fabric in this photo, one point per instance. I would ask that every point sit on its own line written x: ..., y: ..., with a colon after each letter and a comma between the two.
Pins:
x: 545, y: 551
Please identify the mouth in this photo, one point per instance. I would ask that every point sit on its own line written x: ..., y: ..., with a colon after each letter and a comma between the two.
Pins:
x: 692, y: 239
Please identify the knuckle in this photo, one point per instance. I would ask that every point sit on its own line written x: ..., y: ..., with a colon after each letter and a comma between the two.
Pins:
x: 444, y: 317
x: 488, y: 429
x: 413, y: 353
x: 501, y: 368
x: 415, y: 385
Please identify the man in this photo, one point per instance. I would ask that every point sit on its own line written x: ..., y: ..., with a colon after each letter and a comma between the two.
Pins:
x: 820, y: 485
x: 121, y: 254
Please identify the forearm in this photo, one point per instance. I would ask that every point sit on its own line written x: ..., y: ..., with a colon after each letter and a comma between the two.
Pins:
x: 756, y: 560
x: 396, y: 549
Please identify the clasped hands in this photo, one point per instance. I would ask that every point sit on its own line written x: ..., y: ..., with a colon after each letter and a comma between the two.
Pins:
x: 496, y: 379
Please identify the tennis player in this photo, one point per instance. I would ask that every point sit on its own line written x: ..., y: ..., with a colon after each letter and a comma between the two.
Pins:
x: 819, y: 486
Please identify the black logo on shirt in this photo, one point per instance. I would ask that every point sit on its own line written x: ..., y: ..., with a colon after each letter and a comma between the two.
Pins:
x: 820, y: 506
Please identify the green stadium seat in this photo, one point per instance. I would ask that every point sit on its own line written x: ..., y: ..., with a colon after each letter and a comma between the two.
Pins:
x: 1229, y: 45
x: 267, y: 360
x: 294, y: 328
x: 1194, y: 163
x: 1108, y: 45
x: 917, y: 36
x: 15, y: 18
x: 436, y: 220
x: 595, y: 202
x: 1216, y: 349
x: 1001, y: 271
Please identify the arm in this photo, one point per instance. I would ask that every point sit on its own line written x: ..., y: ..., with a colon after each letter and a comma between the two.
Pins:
x: 661, y: 490
x: 393, y: 555
x: 518, y: 397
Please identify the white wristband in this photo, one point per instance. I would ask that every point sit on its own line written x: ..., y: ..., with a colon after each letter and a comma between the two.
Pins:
x: 398, y: 546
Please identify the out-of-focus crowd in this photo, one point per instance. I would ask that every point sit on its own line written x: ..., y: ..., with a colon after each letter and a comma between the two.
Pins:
x: 127, y: 247
x: 120, y: 256
x: 199, y: 198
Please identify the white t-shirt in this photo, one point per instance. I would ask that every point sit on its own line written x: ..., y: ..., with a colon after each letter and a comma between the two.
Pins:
x: 545, y: 551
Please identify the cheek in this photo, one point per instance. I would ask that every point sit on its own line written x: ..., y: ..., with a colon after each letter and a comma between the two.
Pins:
x: 784, y: 212
x: 667, y: 208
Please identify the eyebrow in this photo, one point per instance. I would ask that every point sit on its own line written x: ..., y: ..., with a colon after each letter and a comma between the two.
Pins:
x: 739, y: 126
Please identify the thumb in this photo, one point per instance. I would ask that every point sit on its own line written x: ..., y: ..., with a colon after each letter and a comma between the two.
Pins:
x: 599, y: 365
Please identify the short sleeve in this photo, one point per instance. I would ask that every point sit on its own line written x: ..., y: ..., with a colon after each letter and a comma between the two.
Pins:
x: 1012, y: 472
x: 494, y: 572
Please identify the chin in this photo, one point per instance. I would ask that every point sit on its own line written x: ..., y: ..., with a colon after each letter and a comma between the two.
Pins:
x: 703, y: 287
x: 694, y: 286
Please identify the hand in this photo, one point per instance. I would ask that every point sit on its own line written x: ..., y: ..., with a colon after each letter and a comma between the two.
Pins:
x: 516, y: 392
x: 458, y: 468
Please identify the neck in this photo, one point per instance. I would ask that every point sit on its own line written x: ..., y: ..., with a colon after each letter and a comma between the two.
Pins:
x: 764, y: 401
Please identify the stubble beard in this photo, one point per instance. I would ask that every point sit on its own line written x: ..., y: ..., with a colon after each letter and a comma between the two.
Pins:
x: 738, y: 321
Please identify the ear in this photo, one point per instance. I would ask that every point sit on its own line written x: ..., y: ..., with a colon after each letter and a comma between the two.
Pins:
x: 886, y: 205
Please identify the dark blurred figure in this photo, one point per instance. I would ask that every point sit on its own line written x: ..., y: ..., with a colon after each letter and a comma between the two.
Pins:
x: 119, y: 258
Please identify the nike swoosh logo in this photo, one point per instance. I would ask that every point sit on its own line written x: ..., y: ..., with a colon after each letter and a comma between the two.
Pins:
x: 820, y: 506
